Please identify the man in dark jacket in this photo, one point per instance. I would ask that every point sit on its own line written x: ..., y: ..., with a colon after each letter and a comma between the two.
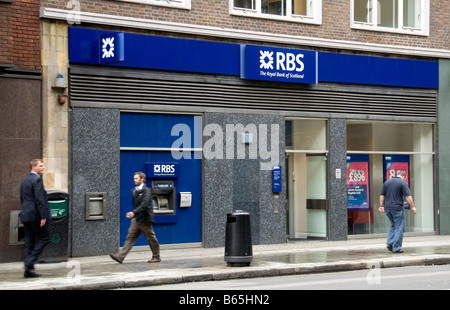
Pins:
x: 391, y: 203
x: 35, y: 216
x: 142, y: 221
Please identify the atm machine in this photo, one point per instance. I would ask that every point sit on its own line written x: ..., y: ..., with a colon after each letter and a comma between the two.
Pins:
x: 163, y: 197
x: 163, y: 178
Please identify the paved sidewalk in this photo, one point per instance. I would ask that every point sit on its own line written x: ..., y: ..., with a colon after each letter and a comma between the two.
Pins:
x: 200, y: 264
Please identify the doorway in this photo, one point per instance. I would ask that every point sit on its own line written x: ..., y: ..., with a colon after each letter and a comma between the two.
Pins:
x: 307, y: 177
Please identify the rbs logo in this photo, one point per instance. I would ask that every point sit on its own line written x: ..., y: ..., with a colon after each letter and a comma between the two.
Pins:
x: 164, y: 168
x: 279, y: 64
x: 284, y: 61
x: 290, y: 62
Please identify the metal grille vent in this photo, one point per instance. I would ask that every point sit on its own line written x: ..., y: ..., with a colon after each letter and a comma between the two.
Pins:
x: 132, y: 90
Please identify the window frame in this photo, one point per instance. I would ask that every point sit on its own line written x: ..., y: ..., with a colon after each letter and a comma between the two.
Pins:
x: 177, y: 4
x: 373, y: 26
x: 316, y: 18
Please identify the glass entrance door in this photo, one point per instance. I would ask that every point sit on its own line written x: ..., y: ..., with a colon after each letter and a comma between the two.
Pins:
x: 307, y: 195
x: 307, y: 174
x: 316, y: 196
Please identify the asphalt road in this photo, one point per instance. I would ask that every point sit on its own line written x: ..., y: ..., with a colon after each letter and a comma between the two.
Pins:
x: 404, y: 278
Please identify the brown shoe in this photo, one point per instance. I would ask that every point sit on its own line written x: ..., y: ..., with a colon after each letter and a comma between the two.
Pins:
x: 154, y: 260
x: 116, y: 258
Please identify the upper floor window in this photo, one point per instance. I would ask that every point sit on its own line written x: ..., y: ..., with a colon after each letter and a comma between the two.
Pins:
x: 179, y: 4
x: 305, y: 11
x: 401, y: 16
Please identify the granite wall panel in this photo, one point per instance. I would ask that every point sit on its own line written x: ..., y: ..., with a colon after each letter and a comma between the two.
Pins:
x: 94, y: 167
x: 231, y: 184
x: 338, y: 186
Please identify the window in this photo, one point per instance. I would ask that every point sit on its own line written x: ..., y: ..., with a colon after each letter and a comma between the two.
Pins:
x: 179, y: 4
x: 401, y: 16
x: 305, y: 11
x: 379, y: 149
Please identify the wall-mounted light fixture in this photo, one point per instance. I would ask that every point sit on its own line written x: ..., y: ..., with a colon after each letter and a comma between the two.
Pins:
x: 59, y: 82
x: 60, y: 85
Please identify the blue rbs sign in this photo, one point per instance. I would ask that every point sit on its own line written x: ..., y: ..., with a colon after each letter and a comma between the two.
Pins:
x: 278, y: 64
x: 162, y: 170
x: 91, y: 46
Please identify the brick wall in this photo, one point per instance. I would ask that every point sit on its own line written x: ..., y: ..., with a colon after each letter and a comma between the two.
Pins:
x: 335, y: 20
x: 20, y: 106
x: 20, y: 34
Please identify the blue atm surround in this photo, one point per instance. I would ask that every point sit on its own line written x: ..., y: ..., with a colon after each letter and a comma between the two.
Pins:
x: 154, y: 131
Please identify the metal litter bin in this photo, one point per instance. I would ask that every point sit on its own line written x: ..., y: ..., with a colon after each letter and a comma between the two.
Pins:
x: 238, y: 239
x: 58, y: 248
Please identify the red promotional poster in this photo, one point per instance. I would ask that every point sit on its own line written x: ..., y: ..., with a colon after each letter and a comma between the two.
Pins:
x: 358, y: 182
x: 393, y: 165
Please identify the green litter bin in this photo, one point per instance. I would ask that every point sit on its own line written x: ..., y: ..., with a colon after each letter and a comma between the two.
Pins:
x: 58, y: 208
x: 58, y: 248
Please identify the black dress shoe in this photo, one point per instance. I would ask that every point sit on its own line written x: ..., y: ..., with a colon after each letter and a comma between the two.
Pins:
x: 398, y: 252
x: 389, y: 247
x: 30, y: 273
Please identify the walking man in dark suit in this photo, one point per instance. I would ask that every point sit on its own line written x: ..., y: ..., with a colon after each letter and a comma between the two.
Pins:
x: 142, y: 221
x: 35, y: 216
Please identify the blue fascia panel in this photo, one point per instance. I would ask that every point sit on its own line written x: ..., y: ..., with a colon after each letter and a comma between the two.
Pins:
x: 357, y: 69
x: 174, y: 54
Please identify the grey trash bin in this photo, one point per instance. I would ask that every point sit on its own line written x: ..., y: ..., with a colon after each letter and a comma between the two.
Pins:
x: 58, y: 248
x: 238, y: 239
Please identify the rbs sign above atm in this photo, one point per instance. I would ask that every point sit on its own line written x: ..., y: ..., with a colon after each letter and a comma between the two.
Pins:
x: 162, y: 170
x: 278, y: 64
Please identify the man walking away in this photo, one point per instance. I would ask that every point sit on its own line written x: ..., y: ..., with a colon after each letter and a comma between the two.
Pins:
x: 391, y: 203
x: 35, y: 216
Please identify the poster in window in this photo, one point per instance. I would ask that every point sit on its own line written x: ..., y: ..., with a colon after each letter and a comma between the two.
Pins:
x: 392, y: 165
x: 358, y: 183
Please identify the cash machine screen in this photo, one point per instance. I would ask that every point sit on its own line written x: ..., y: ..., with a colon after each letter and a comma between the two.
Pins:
x: 163, y: 197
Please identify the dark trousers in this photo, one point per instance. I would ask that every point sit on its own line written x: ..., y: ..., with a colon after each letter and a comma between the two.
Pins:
x: 133, y: 233
x: 36, y: 238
